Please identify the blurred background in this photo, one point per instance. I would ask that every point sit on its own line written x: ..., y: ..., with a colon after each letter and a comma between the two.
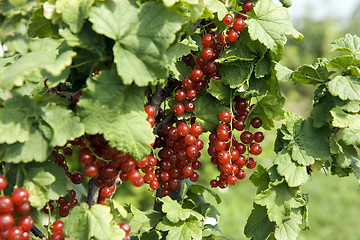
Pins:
x: 334, y: 203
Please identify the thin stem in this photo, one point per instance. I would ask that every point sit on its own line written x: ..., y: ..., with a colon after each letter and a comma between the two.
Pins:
x: 49, y: 221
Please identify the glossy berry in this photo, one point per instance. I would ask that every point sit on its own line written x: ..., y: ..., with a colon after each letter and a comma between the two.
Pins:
x: 23, y: 208
x: 247, y: 6
x: 57, y: 236
x: 6, y: 204
x: 256, y: 122
x: 189, y: 106
x: 208, y: 40
x: 196, y: 74
x: 6, y: 221
x: 126, y: 227
x: 246, y: 137
x: 3, y: 182
x: 154, y: 184
x: 20, y: 196
x: 207, y: 53
x: 239, y: 24
x: 233, y: 36
x: 150, y: 110
x: 232, y: 179
x: 187, y: 83
x: 77, y: 178
x: 258, y: 137
x: 180, y: 95
x: 15, y: 233
x: 191, y: 94
x: 212, y: 67
x: 179, y: 109
x: 255, y: 149
x: 86, y: 156
x: 183, y: 129
x: 91, y: 170
x: 58, y: 226
x: 26, y: 223
x: 135, y: 178
x: 251, y: 163
x: 106, y: 192
x: 225, y: 116
x: 228, y: 19
x: 214, y: 183
x: 223, y: 156
x: 196, y: 129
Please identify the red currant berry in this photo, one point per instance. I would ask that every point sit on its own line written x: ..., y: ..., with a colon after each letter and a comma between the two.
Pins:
x: 135, y: 178
x: 255, y: 149
x: 58, y: 226
x: 223, y: 156
x: 126, y: 227
x: 200, y: 62
x: 180, y: 95
x: 3, y: 182
x: 187, y: 83
x: 232, y: 179
x: 194, y: 177
x: 196, y: 74
x: 212, y: 67
x: 189, y: 106
x: 154, y: 184
x: 179, y: 109
x: 77, y: 178
x: 91, y: 170
x: 15, y: 233
x: 26, y: 223
x: 6, y: 204
x: 6, y: 221
x: 208, y: 40
x: 57, y: 236
x: 183, y: 129
x: 207, y: 53
x: 247, y: 6
x: 196, y: 129
x: 225, y: 116
x: 23, y: 208
x: 228, y: 19
x: 150, y: 110
x: 85, y: 156
x: 233, y: 36
x: 246, y: 137
x: 258, y: 137
x: 239, y: 24
x: 20, y: 196
x: 251, y: 163
x: 256, y: 122
x: 214, y: 183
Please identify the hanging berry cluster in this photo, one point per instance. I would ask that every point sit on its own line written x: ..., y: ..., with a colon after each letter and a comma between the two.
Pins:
x: 12, y: 209
x: 64, y: 204
x: 227, y: 153
x: 179, y: 154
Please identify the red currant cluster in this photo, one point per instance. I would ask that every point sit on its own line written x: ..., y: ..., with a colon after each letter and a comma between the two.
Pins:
x: 126, y: 227
x: 232, y: 34
x: 225, y: 150
x: 105, y: 164
x: 75, y: 177
x: 57, y: 228
x: 63, y: 203
x: 14, y: 208
x: 179, y: 154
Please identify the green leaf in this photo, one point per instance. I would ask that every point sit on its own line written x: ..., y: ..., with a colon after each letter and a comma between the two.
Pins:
x: 48, y: 59
x: 343, y: 62
x: 216, y: 6
x: 295, y: 174
x: 34, y: 149
x: 344, y: 153
x: 290, y: 227
x: 345, y: 87
x: 283, y: 74
x: 73, y: 12
x: 340, y: 118
x: 84, y: 223
x: 263, y: 66
x: 207, y: 112
x: 116, y: 110
x: 116, y: 208
x: 143, y: 221
x: 182, y: 230
x: 237, y: 73
x: 258, y: 225
x: 174, y: 211
x: 200, y: 189
x: 269, y: 108
x: 349, y: 43
x: 355, y: 165
x: 312, y: 74
x: 39, y: 26
x: 260, y: 178
x: 220, y: 91
x: 142, y: 37
x: 279, y: 199
x: 45, y: 182
x: 15, y: 123
x: 269, y: 23
x: 350, y: 124
x: 65, y: 125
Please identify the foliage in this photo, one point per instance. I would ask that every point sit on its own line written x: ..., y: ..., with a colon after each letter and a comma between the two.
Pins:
x: 119, y: 56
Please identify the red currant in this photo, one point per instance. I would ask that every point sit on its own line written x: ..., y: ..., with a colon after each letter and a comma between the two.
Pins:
x: 228, y: 19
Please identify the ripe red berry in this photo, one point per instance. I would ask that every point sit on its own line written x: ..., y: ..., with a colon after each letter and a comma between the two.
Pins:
x: 20, y: 196
x: 126, y: 227
x: 135, y: 178
x: 214, y: 183
x: 183, y: 129
x: 194, y: 177
x: 251, y: 163
x: 191, y: 94
x: 180, y: 95
x: 179, y: 109
x: 208, y: 40
x: 228, y: 19
x: 15, y: 233
x: 6, y: 204
x: 225, y: 116
x: 196, y: 129
x: 57, y: 236
x: 246, y: 137
x: 25, y: 223
x: 255, y: 149
x: 223, y: 156
x: 189, y: 106
x: 6, y: 221
x: 150, y: 110
x: 256, y: 122
x: 58, y: 226
x: 86, y: 156
x: 106, y: 192
x: 154, y: 184
x: 23, y: 208
x: 247, y: 6
x: 233, y: 35
x: 187, y: 83
x: 77, y: 178
x: 207, y: 53
x: 212, y: 67
x: 3, y: 182
x: 91, y: 170
x: 196, y: 74
x: 239, y: 24
x: 232, y: 179
x: 258, y: 137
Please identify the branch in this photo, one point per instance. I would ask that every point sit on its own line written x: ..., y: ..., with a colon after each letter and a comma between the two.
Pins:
x: 168, y: 118
x: 37, y: 232
x: 93, y: 193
